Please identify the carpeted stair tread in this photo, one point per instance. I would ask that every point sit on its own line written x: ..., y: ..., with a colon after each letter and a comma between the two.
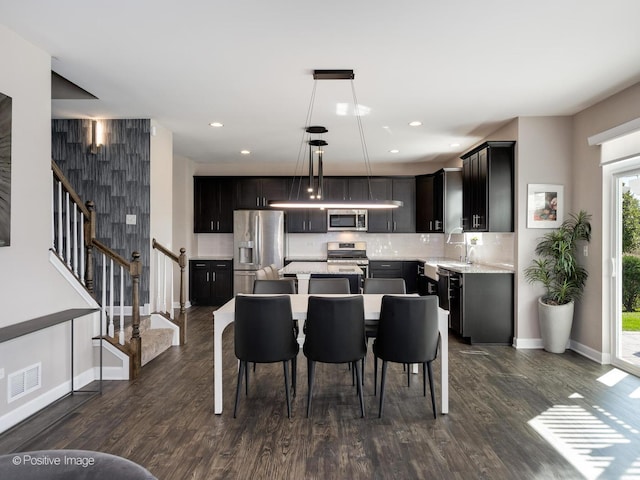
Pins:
x: 154, y: 342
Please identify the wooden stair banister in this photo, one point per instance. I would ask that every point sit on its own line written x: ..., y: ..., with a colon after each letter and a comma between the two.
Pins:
x: 181, y: 261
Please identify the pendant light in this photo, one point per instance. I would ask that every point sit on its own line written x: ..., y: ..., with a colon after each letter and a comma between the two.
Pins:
x: 315, y: 193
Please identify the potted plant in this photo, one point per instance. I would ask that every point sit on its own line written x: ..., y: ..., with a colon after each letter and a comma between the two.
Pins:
x: 563, y: 278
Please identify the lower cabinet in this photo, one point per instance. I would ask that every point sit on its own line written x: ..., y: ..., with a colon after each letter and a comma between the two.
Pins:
x: 210, y: 282
x: 481, y: 308
x: 396, y: 269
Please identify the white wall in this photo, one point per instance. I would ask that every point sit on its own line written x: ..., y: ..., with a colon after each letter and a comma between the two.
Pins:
x: 183, y: 236
x: 161, y: 186
x: 29, y: 285
x: 591, y: 326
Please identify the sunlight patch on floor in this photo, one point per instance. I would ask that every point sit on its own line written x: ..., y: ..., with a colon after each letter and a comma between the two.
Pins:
x: 579, y: 436
x: 612, y: 377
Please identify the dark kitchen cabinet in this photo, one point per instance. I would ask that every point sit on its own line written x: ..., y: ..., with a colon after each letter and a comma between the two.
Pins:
x: 439, y: 201
x: 406, y: 269
x: 256, y: 192
x: 210, y: 282
x: 306, y: 221
x: 346, y: 188
x: 397, y: 220
x: 212, y: 204
x: 487, y: 188
x: 481, y: 307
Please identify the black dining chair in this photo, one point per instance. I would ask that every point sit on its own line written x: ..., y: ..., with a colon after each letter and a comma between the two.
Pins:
x: 335, y: 334
x: 274, y: 286
x: 384, y: 285
x: 329, y: 285
x: 407, y: 333
x: 264, y: 333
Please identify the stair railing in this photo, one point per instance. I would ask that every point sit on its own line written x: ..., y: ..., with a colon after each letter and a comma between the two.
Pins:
x: 166, y: 263
x: 74, y: 242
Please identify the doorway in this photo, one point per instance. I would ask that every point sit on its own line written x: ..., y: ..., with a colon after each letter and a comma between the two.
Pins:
x: 625, y: 328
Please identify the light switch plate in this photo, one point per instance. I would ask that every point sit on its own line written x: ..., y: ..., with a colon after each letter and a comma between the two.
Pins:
x: 131, y: 220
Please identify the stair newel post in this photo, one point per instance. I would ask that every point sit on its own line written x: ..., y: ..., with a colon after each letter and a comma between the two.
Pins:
x: 89, y: 235
x: 135, y: 269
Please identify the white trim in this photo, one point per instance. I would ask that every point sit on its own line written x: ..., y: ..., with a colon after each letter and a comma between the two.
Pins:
x: 615, y: 132
x: 527, y: 343
x: 24, y: 411
x: 590, y: 353
x: 113, y: 372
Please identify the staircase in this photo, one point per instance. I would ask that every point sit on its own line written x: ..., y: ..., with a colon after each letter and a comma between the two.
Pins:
x: 77, y: 248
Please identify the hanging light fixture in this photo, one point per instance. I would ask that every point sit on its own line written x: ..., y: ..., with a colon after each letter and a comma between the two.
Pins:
x: 315, y: 192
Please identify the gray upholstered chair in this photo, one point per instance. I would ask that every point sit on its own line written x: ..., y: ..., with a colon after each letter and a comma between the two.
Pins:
x: 329, y: 285
x: 384, y: 285
x: 407, y: 333
x: 70, y: 465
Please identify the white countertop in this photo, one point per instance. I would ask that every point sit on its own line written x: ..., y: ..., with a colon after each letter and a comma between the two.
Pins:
x: 296, y: 268
x: 431, y: 266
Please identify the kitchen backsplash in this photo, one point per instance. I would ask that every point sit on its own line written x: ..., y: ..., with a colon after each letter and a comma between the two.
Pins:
x: 488, y: 248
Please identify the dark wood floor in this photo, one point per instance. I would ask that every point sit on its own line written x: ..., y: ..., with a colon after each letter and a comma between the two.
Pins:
x: 521, y: 414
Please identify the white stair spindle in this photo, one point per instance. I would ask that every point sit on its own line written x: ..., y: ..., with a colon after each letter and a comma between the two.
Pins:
x: 164, y: 284
x: 121, y: 334
x: 59, y: 219
x: 104, y: 289
x: 82, y: 249
x: 67, y: 223
x: 111, y: 327
x: 75, y: 239
x: 171, y: 314
x: 53, y: 216
x: 158, y: 305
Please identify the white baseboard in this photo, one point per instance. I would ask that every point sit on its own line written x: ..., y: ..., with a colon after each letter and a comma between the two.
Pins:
x: 590, y: 353
x: 45, y: 399
x: 527, y: 343
x: 113, y: 372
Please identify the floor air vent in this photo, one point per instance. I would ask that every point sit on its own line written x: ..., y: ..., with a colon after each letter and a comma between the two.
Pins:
x: 24, y: 381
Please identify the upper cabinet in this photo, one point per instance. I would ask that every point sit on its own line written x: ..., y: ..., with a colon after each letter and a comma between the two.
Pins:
x: 346, y: 188
x: 306, y: 221
x: 439, y: 201
x: 397, y: 220
x: 213, y: 204
x: 256, y: 192
x: 487, y: 186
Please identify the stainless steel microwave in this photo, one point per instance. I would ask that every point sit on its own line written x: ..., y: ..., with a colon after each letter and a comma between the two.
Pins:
x: 353, y: 220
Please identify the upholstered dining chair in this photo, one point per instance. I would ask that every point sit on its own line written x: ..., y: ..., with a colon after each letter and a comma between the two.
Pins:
x: 407, y: 333
x: 285, y: 285
x: 384, y: 285
x: 329, y: 285
x: 264, y: 333
x: 274, y: 272
x: 261, y: 274
x: 335, y: 334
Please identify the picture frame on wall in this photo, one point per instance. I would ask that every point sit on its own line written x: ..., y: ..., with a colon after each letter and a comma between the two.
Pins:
x: 545, y: 205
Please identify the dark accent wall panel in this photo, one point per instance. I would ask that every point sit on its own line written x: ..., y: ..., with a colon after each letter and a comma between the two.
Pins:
x: 5, y: 170
x: 117, y: 179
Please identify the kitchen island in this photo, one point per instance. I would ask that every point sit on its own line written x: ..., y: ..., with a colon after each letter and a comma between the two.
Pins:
x: 303, y: 271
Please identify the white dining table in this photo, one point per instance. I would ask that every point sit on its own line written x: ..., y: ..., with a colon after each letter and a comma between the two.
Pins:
x: 225, y: 315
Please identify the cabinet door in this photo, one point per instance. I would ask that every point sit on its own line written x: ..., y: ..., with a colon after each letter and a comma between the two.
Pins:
x: 438, y: 202
x: 404, y: 218
x: 336, y: 188
x: 317, y: 221
x: 468, y: 191
x: 200, y: 282
x: 390, y: 269
x: 380, y: 221
x: 222, y: 277
x: 481, y: 188
x: 296, y: 221
x: 273, y: 188
x: 424, y: 203
x: 410, y: 275
x: 248, y: 193
x: 204, y: 204
x: 225, y: 206
x: 358, y: 189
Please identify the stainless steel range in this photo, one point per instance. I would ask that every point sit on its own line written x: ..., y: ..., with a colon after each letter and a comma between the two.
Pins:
x: 349, y: 252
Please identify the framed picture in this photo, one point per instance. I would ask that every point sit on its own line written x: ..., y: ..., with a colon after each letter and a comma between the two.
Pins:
x: 545, y: 204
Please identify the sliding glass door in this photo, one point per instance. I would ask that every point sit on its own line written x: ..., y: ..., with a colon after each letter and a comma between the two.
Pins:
x: 625, y: 330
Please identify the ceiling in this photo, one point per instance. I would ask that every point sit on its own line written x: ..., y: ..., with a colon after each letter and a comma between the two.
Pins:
x: 461, y: 67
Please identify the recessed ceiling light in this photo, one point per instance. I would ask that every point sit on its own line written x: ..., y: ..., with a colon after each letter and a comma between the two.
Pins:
x: 245, y: 152
x: 415, y: 123
x: 216, y: 124
x: 395, y: 150
x: 454, y: 144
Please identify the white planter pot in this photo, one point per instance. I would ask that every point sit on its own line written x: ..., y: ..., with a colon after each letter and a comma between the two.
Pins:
x: 555, y: 325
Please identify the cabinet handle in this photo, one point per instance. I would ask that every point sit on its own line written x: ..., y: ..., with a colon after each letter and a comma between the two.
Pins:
x: 207, y: 276
x: 430, y: 225
x: 438, y: 225
x: 211, y: 224
x: 309, y: 225
x: 304, y: 225
x: 394, y: 226
x: 385, y: 266
x: 218, y: 225
x: 257, y: 201
x: 201, y: 264
x: 388, y: 225
x: 264, y: 201
x: 221, y: 266
x: 213, y: 276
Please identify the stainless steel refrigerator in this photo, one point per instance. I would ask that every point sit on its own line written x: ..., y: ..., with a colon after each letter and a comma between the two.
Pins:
x: 258, y: 241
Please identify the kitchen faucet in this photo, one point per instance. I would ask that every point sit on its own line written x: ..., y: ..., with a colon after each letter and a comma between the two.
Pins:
x: 466, y: 259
